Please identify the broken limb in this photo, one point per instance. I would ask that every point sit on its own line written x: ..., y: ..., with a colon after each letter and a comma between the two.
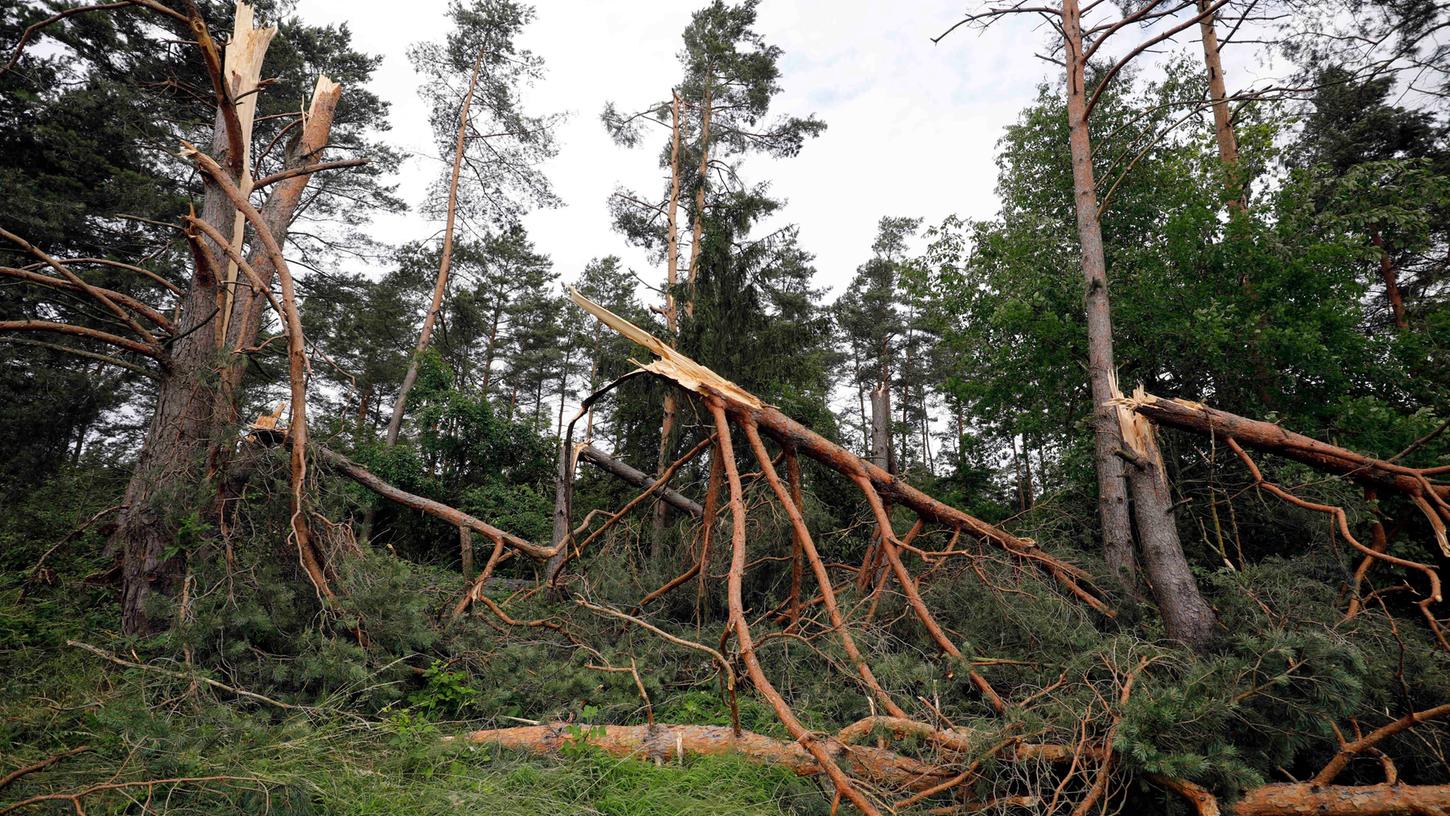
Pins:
x: 438, y: 510
x: 1270, y: 438
x: 808, y: 547
x: 821, y: 752
x: 1342, y: 519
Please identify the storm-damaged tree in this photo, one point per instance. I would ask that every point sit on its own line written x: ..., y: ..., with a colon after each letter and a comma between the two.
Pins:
x: 260, y: 147
x: 1127, y: 464
x: 473, y: 81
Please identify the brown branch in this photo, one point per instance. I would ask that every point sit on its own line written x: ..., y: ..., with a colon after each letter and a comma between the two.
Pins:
x: 90, y: 355
x: 808, y: 547
x: 129, y: 302
x: 1373, y: 738
x: 84, y: 331
x: 31, y: 29
x: 307, y: 552
x: 306, y: 170
x: 741, y: 629
x: 164, y: 283
x: 80, y: 283
x: 41, y: 765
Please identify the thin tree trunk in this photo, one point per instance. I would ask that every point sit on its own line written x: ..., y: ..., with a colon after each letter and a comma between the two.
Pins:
x: 395, y: 423
x: 1391, y: 279
x: 1112, y: 485
x: 672, y: 318
x: 1186, y: 616
x: 189, y: 440
x: 1223, y: 132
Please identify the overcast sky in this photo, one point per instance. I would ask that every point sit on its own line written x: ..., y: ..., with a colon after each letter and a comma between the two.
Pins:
x: 911, y: 126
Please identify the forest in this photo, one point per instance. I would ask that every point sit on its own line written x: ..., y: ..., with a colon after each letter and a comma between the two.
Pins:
x: 1130, y: 498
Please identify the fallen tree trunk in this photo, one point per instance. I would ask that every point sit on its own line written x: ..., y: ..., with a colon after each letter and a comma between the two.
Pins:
x: 672, y: 743
x: 886, y: 768
x: 1342, y: 800
x: 640, y: 479
x: 1270, y: 438
x: 747, y: 409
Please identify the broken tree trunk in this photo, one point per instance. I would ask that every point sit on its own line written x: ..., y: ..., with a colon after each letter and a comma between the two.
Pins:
x: 744, y: 407
x: 1432, y: 497
x: 191, y: 431
x: 1187, y: 617
x: 631, y: 475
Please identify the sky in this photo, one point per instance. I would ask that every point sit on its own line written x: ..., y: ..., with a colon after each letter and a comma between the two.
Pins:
x: 911, y: 126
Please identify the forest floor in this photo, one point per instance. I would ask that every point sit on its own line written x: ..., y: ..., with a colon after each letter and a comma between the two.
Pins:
x: 139, y: 725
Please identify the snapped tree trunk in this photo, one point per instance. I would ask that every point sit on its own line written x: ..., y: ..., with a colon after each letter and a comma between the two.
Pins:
x: 1186, y: 616
x: 672, y: 317
x: 189, y: 438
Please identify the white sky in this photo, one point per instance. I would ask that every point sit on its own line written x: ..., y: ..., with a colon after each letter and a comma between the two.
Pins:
x: 911, y: 127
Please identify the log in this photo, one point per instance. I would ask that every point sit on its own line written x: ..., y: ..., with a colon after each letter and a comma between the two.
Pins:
x: 745, y: 408
x: 672, y: 743
x: 1344, y: 800
x: 639, y: 478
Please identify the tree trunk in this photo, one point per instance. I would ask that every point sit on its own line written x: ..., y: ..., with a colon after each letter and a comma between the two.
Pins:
x: 1187, y: 617
x: 1391, y: 279
x: 395, y: 422
x: 1223, y: 132
x: 189, y: 438
x: 672, y: 318
x: 1112, y: 485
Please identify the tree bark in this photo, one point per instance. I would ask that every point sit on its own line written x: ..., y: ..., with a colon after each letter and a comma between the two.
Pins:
x: 640, y: 479
x: 1223, y: 132
x: 672, y: 317
x: 395, y: 422
x: 189, y: 438
x: 1187, y: 617
x: 1112, y: 485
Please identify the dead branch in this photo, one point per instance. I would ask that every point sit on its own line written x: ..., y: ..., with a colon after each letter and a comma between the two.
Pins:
x: 119, y: 298
x: 727, y: 675
x: 154, y: 352
x: 308, y: 555
x: 742, y: 630
x: 745, y: 407
x: 625, y: 472
x: 79, y: 283
x: 41, y: 765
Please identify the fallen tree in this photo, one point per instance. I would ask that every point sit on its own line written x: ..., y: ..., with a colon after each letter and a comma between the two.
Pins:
x: 896, y: 772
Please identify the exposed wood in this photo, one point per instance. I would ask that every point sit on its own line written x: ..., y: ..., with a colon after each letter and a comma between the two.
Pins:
x: 746, y: 407
x: 244, y: 54
x: 671, y: 743
x: 1271, y: 438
